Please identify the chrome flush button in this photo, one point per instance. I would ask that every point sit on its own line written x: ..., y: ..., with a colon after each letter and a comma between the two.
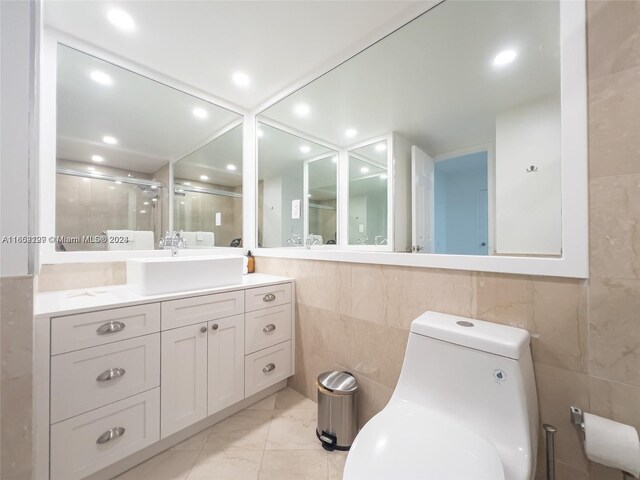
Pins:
x: 464, y: 323
x: 499, y: 375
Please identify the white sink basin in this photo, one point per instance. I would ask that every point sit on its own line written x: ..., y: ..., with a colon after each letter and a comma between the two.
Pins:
x: 151, y: 276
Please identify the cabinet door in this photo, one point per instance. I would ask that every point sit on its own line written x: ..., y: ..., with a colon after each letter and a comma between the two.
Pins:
x: 226, y: 362
x: 183, y: 384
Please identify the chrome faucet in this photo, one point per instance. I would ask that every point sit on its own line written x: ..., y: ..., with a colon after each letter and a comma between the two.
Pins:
x: 174, y: 241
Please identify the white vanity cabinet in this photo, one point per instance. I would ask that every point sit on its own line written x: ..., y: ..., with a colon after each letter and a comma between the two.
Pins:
x: 120, y: 382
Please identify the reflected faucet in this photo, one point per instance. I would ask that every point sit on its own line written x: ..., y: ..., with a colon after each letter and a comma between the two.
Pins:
x: 380, y: 240
x: 313, y: 239
x: 174, y: 241
x: 294, y: 241
x: 362, y: 240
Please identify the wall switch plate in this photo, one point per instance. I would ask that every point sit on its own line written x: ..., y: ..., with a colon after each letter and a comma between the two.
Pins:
x: 218, y: 219
x: 295, y: 209
x: 361, y: 227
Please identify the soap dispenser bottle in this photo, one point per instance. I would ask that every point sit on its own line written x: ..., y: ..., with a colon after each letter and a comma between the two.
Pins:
x: 251, y: 262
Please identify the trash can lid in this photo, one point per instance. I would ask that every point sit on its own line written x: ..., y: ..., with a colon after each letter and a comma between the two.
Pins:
x: 338, y: 382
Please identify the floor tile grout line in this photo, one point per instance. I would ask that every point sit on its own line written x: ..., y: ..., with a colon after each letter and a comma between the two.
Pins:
x: 264, y: 449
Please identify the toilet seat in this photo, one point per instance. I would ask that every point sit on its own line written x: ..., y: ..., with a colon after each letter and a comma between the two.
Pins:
x: 406, y: 441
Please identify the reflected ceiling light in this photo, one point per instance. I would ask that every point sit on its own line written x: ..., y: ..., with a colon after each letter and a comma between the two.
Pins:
x: 351, y: 132
x: 188, y: 184
x: 86, y: 179
x: 109, y: 140
x: 200, y: 112
x: 143, y: 211
x: 231, y: 167
x: 334, y: 159
x: 101, y: 77
x: 145, y: 203
x: 241, y: 79
x: 181, y: 203
x: 305, y: 148
x: 302, y: 109
x: 118, y: 182
x: 153, y: 187
x: 121, y: 19
x: 383, y: 176
x: 154, y: 199
x: 364, y: 170
x: 381, y: 147
x: 204, y: 177
x: 504, y: 57
x: 97, y: 158
x: 111, y: 188
x: 309, y: 195
x: 91, y: 169
x: 260, y: 133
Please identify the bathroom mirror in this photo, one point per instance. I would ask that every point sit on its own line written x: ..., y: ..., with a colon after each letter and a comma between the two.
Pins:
x: 207, y: 183
x: 117, y: 134
x: 297, y: 188
x: 470, y: 92
x: 368, y: 195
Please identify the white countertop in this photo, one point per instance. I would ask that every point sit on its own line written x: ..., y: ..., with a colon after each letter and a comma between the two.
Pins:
x: 66, y: 302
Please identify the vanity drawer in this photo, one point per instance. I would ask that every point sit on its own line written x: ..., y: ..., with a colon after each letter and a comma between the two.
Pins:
x: 125, y: 368
x: 188, y: 311
x: 73, y: 332
x: 263, y: 297
x: 81, y: 445
x: 267, y: 327
x: 266, y: 367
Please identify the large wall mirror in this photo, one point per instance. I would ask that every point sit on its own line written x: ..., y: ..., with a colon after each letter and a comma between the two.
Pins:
x: 119, y: 135
x: 469, y: 97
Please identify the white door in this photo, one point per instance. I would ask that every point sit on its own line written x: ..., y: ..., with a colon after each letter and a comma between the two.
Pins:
x: 422, y: 200
x: 183, y: 387
x: 226, y: 362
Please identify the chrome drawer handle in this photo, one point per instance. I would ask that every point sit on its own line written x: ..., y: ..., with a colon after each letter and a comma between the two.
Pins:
x: 110, y: 434
x: 203, y: 329
x: 269, y: 368
x: 110, y: 327
x: 269, y: 297
x: 214, y: 326
x: 111, y: 373
x: 269, y: 328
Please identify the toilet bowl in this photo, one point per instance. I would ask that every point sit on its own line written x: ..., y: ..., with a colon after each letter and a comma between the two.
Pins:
x: 464, y: 408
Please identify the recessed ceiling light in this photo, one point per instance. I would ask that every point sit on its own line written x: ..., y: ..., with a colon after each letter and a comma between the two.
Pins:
x: 204, y: 177
x: 302, y: 109
x: 153, y: 187
x: 118, y: 182
x: 504, y: 57
x: 121, y: 19
x: 154, y: 199
x: 383, y: 176
x: 381, y: 147
x: 200, y: 112
x: 109, y: 140
x: 231, y: 167
x: 101, y: 77
x: 97, y: 158
x: 364, y: 170
x: 241, y: 79
x: 351, y: 132
x: 260, y: 133
x: 305, y: 148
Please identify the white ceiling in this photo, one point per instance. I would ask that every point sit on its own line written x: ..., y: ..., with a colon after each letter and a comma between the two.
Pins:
x: 154, y: 124
x: 434, y: 80
x: 202, y: 43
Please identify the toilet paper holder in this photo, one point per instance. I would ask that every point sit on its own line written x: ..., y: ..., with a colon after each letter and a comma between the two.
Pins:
x: 577, y: 419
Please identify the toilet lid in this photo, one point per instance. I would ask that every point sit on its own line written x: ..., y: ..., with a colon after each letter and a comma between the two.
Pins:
x: 410, y: 442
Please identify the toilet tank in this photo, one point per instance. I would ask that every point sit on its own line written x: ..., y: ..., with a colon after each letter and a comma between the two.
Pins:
x: 481, y: 374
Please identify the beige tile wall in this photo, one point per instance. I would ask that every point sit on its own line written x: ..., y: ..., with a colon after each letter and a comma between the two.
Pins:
x: 586, y: 335
x: 16, y: 320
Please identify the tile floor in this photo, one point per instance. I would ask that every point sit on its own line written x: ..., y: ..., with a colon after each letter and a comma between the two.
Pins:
x: 273, y: 439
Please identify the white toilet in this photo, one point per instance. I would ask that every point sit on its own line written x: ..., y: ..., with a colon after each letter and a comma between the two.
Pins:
x: 465, y: 407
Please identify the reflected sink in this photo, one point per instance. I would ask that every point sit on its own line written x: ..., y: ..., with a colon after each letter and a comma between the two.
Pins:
x: 152, y: 276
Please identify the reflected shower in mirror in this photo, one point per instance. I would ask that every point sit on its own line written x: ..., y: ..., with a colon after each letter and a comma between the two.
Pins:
x: 207, y: 206
x: 297, y: 190
x: 368, y: 177
x: 117, y: 133
x: 469, y: 96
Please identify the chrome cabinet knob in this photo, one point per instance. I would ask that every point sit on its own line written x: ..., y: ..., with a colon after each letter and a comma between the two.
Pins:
x: 269, y: 328
x: 110, y: 327
x: 111, y: 373
x: 269, y: 297
x: 110, y: 434
x: 269, y: 368
x: 203, y: 329
x: 214, y: 326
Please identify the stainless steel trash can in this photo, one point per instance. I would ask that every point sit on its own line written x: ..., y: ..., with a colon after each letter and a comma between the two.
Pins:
x: 337, y: 412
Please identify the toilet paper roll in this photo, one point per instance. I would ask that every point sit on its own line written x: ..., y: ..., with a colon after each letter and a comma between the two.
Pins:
x: 612, y: 444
